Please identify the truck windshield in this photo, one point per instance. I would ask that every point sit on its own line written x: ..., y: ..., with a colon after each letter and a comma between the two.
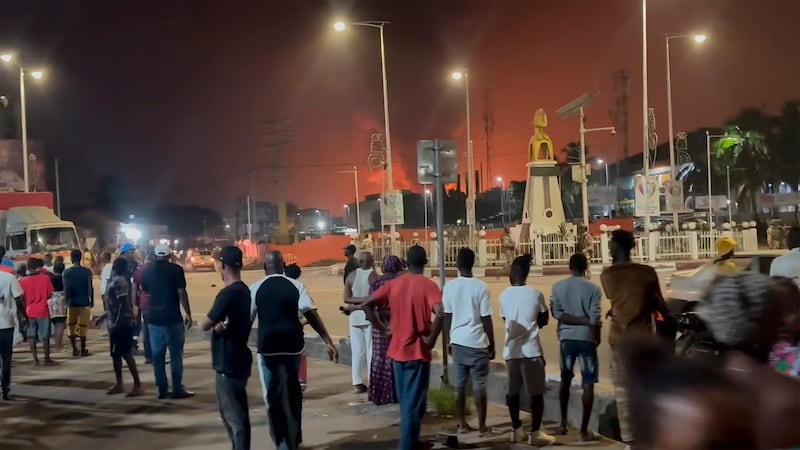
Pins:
x: 46, y: 240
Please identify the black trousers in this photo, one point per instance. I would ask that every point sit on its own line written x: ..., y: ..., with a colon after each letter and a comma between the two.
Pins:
x: 232, y: 402
x: 6, y: 350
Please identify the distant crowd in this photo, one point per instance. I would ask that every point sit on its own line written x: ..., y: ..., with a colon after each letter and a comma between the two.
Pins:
x: 745, y: 396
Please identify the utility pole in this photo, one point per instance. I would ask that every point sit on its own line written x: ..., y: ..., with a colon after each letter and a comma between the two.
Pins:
x: 278, y: 135
x: 488, y: 127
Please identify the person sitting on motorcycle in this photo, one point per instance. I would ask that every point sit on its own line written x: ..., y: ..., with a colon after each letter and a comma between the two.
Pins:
x: 726, y: 247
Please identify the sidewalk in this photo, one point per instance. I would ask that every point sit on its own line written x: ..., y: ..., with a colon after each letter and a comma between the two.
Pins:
x: 67, y: 407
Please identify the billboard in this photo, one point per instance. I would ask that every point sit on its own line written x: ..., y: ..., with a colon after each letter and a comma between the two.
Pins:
x: 648, y: 196
x: 11, y: 167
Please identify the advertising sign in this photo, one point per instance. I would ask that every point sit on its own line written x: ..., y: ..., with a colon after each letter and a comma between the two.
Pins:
x: 447, y: 162
x: 647, y: 196
x: 11, y: 168
x: 392, y: 208
x: 673, y: 196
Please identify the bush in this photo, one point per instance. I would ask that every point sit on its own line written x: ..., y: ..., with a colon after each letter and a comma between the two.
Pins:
x: 442, y: 400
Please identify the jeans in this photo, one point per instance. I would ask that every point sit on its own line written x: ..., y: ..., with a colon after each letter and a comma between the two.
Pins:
x: 283, y: 397
x: 162, y: 338
x: 6, y: 350
x: 411, y: 381
x: 148, y: 353
x: 232, y: 402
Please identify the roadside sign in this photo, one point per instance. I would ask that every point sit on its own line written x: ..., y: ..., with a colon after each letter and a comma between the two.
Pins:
x: 673, y: 196
x: 717, y: 202
x: 448, y: 161
x: 392, y: 208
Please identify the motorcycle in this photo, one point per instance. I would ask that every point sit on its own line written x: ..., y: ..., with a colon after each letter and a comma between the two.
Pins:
x: 694, y: 340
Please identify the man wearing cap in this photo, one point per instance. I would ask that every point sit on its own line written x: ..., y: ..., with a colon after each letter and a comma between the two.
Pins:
x: 128, y: 251
x: 79, y: 295
x: 231, y: 358
x: 166, y: 284
x: 726, y: 247
x: 352, y: 263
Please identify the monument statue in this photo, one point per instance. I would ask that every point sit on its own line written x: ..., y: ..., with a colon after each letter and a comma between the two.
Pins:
x: 540, y: 138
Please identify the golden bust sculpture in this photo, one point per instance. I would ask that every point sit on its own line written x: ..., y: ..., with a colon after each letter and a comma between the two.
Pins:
x: 540, y: 138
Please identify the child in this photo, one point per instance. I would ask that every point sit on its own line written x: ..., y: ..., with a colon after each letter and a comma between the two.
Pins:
x: 293, y: 271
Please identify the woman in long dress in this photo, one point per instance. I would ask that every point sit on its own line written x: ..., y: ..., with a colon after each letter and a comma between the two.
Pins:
x: 381, y: 379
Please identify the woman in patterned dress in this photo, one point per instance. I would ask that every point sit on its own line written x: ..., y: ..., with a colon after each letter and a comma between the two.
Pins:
x: 381, y: 378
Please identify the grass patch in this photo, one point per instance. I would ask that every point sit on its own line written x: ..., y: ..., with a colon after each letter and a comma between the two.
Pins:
x: 442, y: 400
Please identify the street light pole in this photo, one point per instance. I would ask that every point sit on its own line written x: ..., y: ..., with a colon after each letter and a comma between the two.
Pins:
x: 585, y: 181
x: 470, y: 163
x: 358, y: 198
x: 502, y: 199
x: 645, y: 110
x: 341, y: 26
x: 24, y: 126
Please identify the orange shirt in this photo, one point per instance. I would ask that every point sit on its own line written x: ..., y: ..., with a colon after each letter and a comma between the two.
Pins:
x: 411, y: 299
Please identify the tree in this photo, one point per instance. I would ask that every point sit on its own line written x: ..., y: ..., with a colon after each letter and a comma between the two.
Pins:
x: 189, y: 220
x: 746, y: 153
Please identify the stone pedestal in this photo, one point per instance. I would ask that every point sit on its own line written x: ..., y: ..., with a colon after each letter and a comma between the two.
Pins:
x: 542, y: 210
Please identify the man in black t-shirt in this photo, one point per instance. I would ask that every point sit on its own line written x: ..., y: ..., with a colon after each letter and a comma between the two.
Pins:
x: 231, y: 358
x: 166, y: 284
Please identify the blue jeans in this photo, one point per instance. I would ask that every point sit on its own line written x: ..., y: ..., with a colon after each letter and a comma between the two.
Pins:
x: 411, y: 381
x: 162, y: 338
x: 280, y: 384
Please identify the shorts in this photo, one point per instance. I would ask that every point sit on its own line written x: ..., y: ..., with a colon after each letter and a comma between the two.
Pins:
x: 78, y: 318
x: 585, y: 353
x: 39, y: 329
x: 470, y: 361
x: 58, y: 320
x: 529, y: 371
x: 121, y: 343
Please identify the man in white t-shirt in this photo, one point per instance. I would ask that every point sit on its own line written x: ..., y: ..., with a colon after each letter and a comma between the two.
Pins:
x: 468, y: 322
x: 523, y: 309
x: 12, y: 315
x: 788, y: 266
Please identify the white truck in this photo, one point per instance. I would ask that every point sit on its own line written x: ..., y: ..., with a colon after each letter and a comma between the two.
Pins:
x: 29, y: 227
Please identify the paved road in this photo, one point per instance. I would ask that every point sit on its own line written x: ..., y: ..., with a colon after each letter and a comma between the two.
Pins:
x: 66, y: 407
x: 327, y: 292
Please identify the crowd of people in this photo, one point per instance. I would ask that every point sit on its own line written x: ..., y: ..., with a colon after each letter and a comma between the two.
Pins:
x: 747, y: 398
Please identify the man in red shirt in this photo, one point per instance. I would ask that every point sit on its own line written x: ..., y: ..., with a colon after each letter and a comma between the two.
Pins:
x: 412, y: 298
x: 38, y: 287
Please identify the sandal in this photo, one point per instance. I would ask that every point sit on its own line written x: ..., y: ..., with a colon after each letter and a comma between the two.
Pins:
x: 115, y: 389
x: 465, y: 430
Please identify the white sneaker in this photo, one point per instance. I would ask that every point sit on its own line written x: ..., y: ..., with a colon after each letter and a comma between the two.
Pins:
x: 540, y: 438
x: 517, y: 435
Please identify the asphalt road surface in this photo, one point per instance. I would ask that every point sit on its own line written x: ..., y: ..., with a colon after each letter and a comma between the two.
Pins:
x: 327, y: 291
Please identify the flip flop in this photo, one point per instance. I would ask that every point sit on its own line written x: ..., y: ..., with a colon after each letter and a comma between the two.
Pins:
x: 590, y: 437
x: 562, y: 430
x: 490, y: 432
x: 465, y: 430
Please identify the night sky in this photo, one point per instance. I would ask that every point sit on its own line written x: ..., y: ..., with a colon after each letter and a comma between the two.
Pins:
x: 169, y: 97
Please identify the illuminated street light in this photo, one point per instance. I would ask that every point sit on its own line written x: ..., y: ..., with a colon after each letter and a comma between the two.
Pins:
x: 698, y: 38
x: 470, y: 207
x: 36, y: 74
x: 380, y: 24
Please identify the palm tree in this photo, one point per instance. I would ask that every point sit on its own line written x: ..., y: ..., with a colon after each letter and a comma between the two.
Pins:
x: 747, y: 152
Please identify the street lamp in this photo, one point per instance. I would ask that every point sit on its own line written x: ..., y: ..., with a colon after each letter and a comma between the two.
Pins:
x: 502, y: 199
x: 698, y: 38
x: 342, y: 26
x: 585, y: 182
x: 36, y: 74
x: 458, y: 75
x: 358, y: 200
x: 605, y: 163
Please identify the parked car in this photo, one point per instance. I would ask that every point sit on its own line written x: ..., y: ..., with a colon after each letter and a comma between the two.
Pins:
x: 685, y: 288
x: 202, y: 259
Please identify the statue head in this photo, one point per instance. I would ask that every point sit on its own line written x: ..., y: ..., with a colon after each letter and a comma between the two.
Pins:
x: 540, y: 118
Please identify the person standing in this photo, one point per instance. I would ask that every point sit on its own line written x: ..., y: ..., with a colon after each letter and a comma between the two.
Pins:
x: 352, y: 263
x: 468, y: 322
x: 635, y: 295
x: 357, y: 285
x: 230, y: 357
x: 12, y: 315
x: 38, y: 287
x: 509, y: 249
x: 129, y: 252
x: 166, y: 284
x: 726, y: 248
x: 275, y: 301
x: 58, y: 306
x: 575, y: 304
x: 79, y: 294
x: 524, y: 312
x: 141, y: 299
x: 294, y: 271
x: 788, y: 265
x: 105, y: 272
x: 381, y: 376
x: 120, y: 314
x: 412, y: 299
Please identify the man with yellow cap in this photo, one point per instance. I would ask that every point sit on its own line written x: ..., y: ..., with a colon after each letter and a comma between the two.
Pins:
x: 726, y: 247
